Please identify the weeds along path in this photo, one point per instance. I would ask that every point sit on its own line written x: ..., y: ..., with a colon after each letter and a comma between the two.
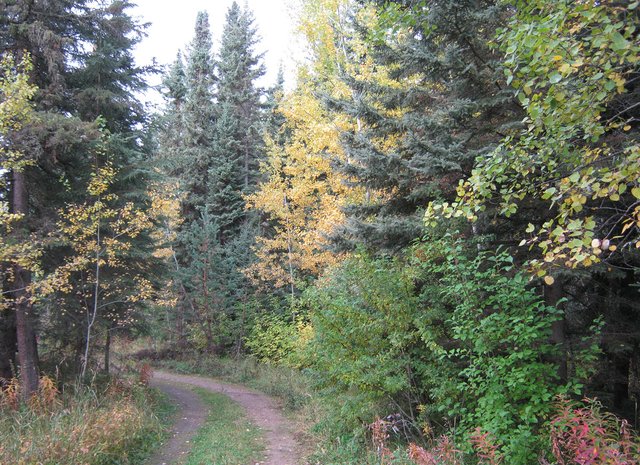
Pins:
x: 261, y: 409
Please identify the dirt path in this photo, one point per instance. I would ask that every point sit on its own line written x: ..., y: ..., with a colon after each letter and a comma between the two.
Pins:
x: 261, y: 409
x: 190, y: 416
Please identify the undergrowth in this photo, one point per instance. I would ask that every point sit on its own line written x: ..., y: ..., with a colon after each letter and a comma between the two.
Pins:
x: 118, y: 423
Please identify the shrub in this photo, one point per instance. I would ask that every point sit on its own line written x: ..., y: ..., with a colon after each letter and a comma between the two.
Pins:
x: 585, y: 435
x: 362, y: 354
x: 272, y: 338
x: 496, y: 333
x: 447, y: 336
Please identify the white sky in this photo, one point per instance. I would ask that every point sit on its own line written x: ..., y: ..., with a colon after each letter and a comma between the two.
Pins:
x: 172, y: 29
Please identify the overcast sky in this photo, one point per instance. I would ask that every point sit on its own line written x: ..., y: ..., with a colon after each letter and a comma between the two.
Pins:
x: 173, y: 21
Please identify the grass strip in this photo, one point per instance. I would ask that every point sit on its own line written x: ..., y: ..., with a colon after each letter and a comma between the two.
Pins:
x: 227, y: 437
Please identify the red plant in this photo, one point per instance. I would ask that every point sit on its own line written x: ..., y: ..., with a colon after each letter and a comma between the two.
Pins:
x: 379, y: 437
x: 485, y: 448
x: 584, y: 435
x: 48, y: 396
x: 442, y: 453
x: 146, y: 373
x: 10, y: 394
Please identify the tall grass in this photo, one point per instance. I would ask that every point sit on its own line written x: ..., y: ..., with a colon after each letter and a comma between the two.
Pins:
x: 114, y: 425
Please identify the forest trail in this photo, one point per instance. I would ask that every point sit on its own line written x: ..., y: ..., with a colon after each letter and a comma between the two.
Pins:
x: 261, y: 410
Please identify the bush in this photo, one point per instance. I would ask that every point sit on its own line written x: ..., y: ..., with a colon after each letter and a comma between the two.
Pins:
x: 498, y: 332
x: 585, y: 435
x: 448, y: 336
x: 363, y: 350
x: 276, y: 339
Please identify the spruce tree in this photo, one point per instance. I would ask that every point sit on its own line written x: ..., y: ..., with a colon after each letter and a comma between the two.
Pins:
x: 274, y: 119
x: 446, y: 105
x: 239, y: 150
x: 238, y: 96
x: 211, y: 142
x: 198, y: 118
x: 185, y: 154
x: 169, y: 127
x: 83, y: 67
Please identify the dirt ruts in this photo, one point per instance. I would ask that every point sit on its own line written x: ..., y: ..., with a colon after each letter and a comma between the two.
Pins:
x: 261, y: 410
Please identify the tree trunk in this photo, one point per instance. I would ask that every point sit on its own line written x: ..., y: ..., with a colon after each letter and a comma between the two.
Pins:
x: 92, y: 312
x: 181, y: 311
x: 25, y: 334
x: 246, y: 167
x: 180, y: 338
x: 290, y: 252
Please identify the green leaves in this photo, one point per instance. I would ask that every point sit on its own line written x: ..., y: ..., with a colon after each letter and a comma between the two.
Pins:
x: 555, y: 78
x: 570, y: 65
x: 499, y: 331
x: 619, y: 43
x: 365, y: 336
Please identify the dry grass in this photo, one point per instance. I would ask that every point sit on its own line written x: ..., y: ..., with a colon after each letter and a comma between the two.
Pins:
x: 85, y: 427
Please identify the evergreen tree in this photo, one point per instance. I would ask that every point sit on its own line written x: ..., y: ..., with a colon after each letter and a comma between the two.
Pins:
x: 211, y: 142
x: 238, y: 97
x: 83, y: 68
x: 186, y: 150
x: 239, y: 149
x: 169, y: 127
x: 420, y: 133
x: 198, y: 119
x: 275, y: 119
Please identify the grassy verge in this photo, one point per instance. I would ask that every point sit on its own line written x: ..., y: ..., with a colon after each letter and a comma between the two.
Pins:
x: 227, y: 437
x: 117, y: 425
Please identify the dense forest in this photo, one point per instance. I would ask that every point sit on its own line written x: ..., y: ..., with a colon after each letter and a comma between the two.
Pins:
x: 437, y: 227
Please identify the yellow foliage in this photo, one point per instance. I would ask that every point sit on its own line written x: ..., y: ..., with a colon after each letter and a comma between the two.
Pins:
x: 304, y: 196
x: 16, y: 110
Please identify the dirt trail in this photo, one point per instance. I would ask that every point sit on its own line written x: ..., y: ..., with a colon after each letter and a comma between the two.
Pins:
x: 261, y: 410
x: 190, y: 416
